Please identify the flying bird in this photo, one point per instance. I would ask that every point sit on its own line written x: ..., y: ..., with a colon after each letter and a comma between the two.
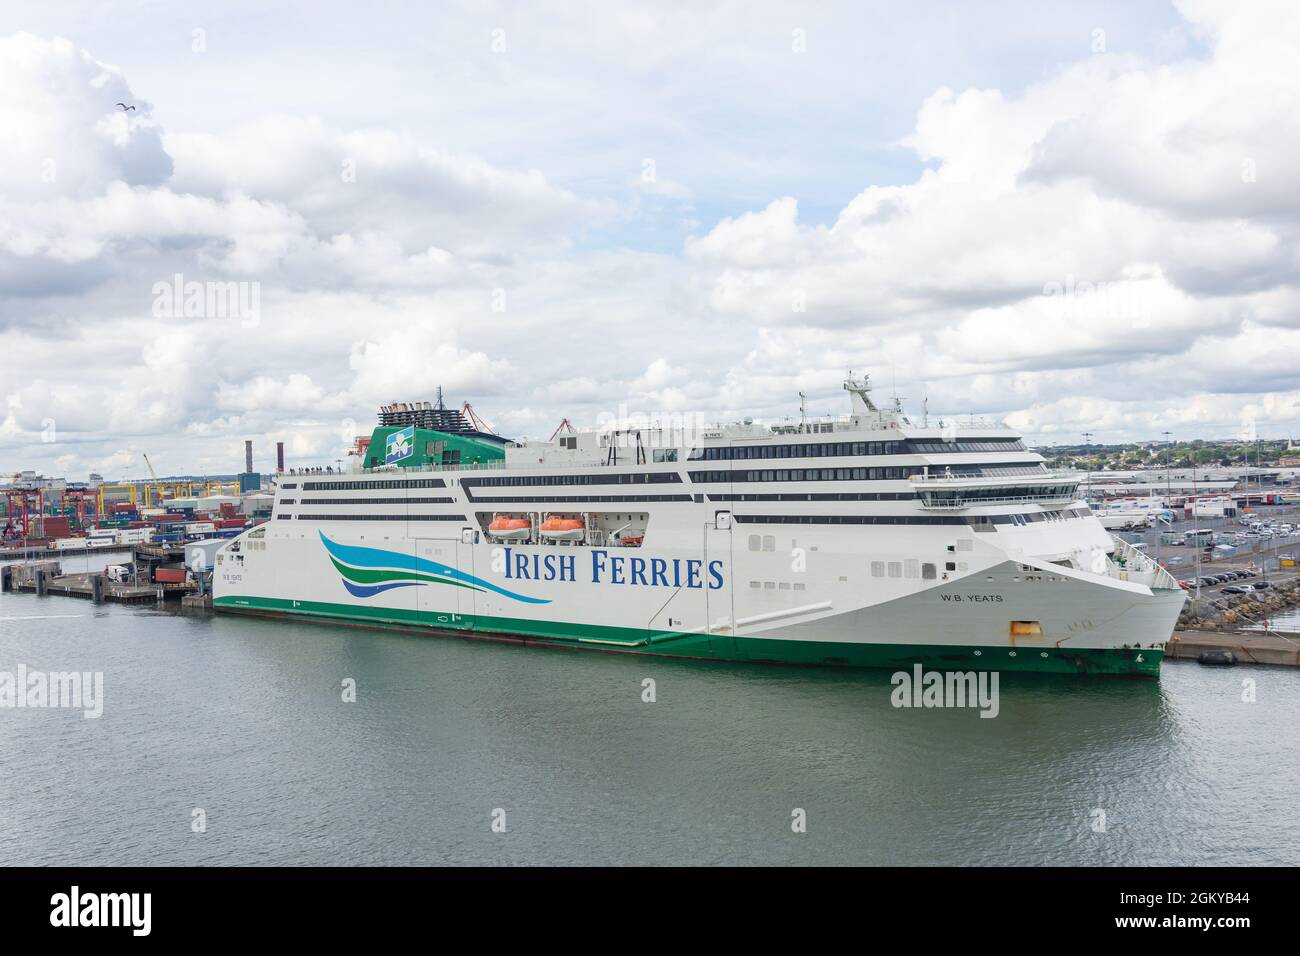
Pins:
x: 125, y: 107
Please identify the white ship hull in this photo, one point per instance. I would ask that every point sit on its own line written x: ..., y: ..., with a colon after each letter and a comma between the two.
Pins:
x: 811, y: 598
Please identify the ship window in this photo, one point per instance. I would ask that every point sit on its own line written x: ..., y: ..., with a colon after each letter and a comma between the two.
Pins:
x: 755, y: 542
x: 950, y: 566
x: 799, y: 586
x: 928, y: 572
x: 769, y: 585
x: 769, y: 542
x: 895, y: 569
x: 877, y: 569
x: 755, y: 584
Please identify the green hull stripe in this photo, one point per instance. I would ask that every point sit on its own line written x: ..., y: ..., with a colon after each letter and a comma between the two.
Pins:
x: 1127, y: 661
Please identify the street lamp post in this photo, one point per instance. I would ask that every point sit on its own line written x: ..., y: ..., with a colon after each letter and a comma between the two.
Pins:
x: 1164, y: 502
x: 1087, y: 473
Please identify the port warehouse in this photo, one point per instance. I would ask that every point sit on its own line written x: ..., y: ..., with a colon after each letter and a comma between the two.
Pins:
x: 1208, y: 492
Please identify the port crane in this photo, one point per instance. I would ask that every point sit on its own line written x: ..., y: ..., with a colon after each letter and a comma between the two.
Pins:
x: 157, y: 485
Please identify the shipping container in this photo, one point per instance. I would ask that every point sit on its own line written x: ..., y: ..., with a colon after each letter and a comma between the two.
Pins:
x: 57, y: 527
x: 169, y: 575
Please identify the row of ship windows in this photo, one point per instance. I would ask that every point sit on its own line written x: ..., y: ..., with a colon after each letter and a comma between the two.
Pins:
x: 913, y: 568
x: 670, y: 477
x: 385, y: 484
x: 627, y: 478
x: 1003, y: 492
x: 847, y: 448
x: 829, y: 496
x: 855, y: 519
x: 554, y: 499
x: 979, y: 522
x: 866, y: 474
x: 339, y: 517
x: 809, y: 474
x: 371, y: 501
x: 778, y: 585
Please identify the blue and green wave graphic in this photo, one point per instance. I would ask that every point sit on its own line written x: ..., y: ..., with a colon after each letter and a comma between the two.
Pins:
x: 370, y: 571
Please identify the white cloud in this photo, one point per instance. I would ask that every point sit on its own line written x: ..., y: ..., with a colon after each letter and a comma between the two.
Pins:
x: 1111, y: 246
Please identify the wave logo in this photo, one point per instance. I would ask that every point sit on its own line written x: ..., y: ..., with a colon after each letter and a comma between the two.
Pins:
x: 370, y: 571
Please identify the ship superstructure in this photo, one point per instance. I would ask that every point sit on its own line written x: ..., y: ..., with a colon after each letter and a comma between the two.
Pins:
x: 867, y: 540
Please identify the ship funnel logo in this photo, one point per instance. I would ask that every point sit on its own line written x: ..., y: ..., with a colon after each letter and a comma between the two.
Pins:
x: 370, y: 571
x: 401, y: 444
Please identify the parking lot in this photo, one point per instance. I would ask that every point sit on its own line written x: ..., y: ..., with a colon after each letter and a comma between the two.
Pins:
x: 1258, y: 553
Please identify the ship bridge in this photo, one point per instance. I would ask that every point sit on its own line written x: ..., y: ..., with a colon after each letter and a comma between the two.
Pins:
x: 953, y: 493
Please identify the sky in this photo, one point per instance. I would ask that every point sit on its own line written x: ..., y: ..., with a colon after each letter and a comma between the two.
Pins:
x: 1078, y: 218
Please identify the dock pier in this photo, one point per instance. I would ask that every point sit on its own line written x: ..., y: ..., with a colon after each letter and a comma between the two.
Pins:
x: 1246, y: 647
x: 44, y: 578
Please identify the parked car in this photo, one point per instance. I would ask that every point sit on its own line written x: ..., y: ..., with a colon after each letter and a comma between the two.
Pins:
x: 1261, y: 585
x: 1187, y: 585
x: 1238, y: 589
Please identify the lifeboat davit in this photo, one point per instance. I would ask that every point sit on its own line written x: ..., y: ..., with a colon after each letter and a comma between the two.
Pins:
x: 510, y: 528
x: 563, y: 529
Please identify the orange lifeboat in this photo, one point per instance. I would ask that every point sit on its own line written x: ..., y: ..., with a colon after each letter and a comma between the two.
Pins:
x: 510, y: 528
x: 563, y: 529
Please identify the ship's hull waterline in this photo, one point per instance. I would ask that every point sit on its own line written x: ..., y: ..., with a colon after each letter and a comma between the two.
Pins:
x: 1117, y: 661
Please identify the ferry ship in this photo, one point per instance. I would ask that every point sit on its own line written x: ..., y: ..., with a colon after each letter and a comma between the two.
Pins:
x: 864, y: 540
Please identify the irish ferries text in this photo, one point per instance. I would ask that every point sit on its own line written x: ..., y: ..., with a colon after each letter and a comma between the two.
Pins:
x: 609, y: 568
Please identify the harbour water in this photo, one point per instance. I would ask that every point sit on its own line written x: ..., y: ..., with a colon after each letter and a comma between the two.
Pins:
x: 245, y: 721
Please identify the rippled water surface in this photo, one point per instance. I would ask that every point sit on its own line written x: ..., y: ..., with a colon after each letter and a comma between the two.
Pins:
x: 244, y: 719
